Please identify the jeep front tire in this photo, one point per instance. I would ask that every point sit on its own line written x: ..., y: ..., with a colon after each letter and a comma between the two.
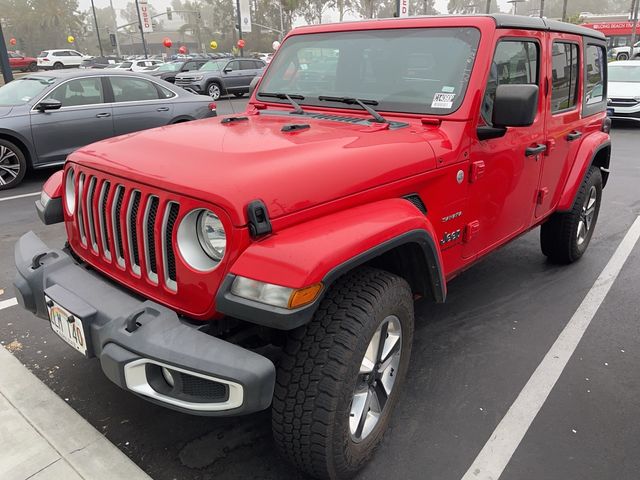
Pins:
x: 340, y: 375
x: 566, y: 235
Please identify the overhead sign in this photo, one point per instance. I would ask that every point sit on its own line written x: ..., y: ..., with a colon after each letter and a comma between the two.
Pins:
x: 245, y: 16
x: 145, y: 16
x: 404, y: 8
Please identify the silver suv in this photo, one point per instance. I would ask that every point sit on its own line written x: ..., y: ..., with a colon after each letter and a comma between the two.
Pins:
x: 220, y: 77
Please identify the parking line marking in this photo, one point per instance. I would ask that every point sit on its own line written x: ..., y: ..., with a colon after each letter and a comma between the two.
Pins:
x: 19, y: 196
x: 497, y: 452
x: 8, y: 303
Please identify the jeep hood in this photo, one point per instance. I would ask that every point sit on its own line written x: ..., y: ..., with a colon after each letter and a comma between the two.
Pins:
x: 234, y: 163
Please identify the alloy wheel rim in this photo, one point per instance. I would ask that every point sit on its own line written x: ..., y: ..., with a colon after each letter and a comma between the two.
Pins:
x: 9, y: 165
x: 587, y: 215
x: 214, y: 92
x: 376, y: 378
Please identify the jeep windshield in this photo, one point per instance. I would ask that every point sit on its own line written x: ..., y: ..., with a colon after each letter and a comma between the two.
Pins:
x: 422, y: 70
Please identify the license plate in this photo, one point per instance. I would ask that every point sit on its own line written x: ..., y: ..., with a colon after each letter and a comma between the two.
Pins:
x: 610, y: 111
x: 67, y: 326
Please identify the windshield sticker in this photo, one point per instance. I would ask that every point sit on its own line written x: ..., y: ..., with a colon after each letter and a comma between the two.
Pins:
x: 447, y: 89
x: 443, y: 100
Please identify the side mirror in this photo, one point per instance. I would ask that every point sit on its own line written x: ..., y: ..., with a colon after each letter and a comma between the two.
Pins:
x: 515, y: 105
x: 254, y: 83
x: 49, y: 104
x: 227, y: 70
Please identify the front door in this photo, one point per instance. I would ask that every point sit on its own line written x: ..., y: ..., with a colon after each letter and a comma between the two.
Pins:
x: 504, y: 175
x: 232, y: 76
x: 83, y: 119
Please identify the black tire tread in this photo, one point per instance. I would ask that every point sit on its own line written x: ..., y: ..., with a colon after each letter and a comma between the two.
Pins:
x: 312, y: 369
x: 556, y: 234
x: 23, y: 164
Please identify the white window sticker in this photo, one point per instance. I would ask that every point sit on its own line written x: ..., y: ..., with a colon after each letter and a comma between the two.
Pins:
x: 447, y: 89
x: 443, y: 100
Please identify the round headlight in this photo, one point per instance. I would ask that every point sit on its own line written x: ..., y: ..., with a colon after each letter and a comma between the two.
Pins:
x: 69, y: 191
x: 211, y: 235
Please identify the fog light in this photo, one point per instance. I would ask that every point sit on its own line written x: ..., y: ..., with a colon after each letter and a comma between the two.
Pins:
x: 168, y: 376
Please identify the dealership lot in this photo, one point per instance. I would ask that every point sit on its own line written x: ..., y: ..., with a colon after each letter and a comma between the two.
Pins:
x: 472, y: 357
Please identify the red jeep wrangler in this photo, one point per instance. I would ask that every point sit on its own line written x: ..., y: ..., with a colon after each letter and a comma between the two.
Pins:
x: 376, y: 160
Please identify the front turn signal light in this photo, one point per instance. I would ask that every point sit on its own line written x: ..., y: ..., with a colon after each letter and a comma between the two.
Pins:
x: 304, y: 296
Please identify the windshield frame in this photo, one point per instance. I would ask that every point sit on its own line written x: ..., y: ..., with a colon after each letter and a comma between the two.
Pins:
x: 384, y: 106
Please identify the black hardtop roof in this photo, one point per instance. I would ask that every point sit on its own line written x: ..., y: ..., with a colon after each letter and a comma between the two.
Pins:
x: 536, y: 23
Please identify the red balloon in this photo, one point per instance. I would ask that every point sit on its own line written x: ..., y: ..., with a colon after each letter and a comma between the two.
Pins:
x: 13, y: 41
x: 182, y: 49
x: 241, y: 43
x: 167, y: 42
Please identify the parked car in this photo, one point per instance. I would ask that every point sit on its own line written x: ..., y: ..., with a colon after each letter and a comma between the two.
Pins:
x: 623, y: 53
x: 221, y: 77
x: 624, y: 90
x: 20, y: 62
x: 45, y: 116
x: 297, y: 235
x: 100, y: 62
x: 58, y: 59
x: 168, y: 71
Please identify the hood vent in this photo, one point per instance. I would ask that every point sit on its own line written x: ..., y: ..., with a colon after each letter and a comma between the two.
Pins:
x: 415, y: 199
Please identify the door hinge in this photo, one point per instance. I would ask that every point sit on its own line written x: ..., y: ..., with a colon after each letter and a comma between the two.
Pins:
x: 477, y: 170
x: 471, y: 230
x: 542, y: 194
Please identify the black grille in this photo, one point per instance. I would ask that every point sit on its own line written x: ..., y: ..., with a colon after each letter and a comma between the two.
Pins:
x: 171, y: 259
x: 151, y: 237
x: 134, y: 227
x: 119, y: 198
x: 203, y: 389
x: 415, y: 199
x: 107, y: 186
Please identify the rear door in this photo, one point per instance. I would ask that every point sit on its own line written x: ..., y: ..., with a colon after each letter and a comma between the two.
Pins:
x: 139, y: 104
x: 504, y: 174
x: 568, y: 102
x: 73, y: 59
x: 84, y: 118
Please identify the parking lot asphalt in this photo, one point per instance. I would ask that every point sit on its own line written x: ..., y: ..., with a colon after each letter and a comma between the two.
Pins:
x: 471, y: 358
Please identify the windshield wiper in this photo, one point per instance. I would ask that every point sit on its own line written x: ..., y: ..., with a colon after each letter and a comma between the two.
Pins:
x: 297, y: 109
x: 357, y: 101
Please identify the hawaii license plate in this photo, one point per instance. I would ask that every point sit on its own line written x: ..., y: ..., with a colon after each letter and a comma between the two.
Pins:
x: 67, y: 326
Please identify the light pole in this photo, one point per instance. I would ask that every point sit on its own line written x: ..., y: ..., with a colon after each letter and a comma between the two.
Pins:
x: 239, y: 27
x: 515, y: 5
x: 4, y: 59
x: 635, y: 29
x: 95, y: 19
x: 144, y: 44
x: 115, y: 28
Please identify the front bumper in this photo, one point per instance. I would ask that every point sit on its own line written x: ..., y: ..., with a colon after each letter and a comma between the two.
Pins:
x: 193, y: 87
x: 136, y: 338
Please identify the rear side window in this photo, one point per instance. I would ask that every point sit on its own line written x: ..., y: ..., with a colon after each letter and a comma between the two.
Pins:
x: 128, y: 89
x: 564, y: 76
x: 515, y: 62
x: 595, y: 66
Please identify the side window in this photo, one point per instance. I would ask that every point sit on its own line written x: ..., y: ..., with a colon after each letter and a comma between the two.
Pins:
x: 564, y: 76
x: 190, y: 66
x: 129, y: 89
x: 165, y: 92
x: 78, y: 92
x: 258, y: 64
x: 233, y: 66
x: 595, y: 64
x: 247, y: 65
x: 514, y: 62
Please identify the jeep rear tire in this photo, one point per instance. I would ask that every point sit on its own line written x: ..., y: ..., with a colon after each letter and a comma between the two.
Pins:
x: 335, y: 387
x: 565, y: 236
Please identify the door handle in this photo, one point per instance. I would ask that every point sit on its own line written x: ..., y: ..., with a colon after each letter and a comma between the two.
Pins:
x: 103, y: 115
x: 537, y: 150
x: 573, y: 136
x: 162, y: 109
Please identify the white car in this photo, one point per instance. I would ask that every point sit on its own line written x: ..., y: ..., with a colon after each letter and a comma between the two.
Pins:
x: 58, y: 59
x: 623, y: 90
x: 138, y: 65
x: 622, y: 53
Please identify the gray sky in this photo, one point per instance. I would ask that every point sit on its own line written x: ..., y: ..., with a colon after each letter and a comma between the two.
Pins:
x: 160, y: 5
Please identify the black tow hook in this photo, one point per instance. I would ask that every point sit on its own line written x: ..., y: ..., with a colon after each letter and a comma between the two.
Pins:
x: 35, y: 261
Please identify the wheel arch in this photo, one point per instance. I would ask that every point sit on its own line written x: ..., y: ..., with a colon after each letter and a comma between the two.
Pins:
x: 21, y: 143
x: 595, y: 150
